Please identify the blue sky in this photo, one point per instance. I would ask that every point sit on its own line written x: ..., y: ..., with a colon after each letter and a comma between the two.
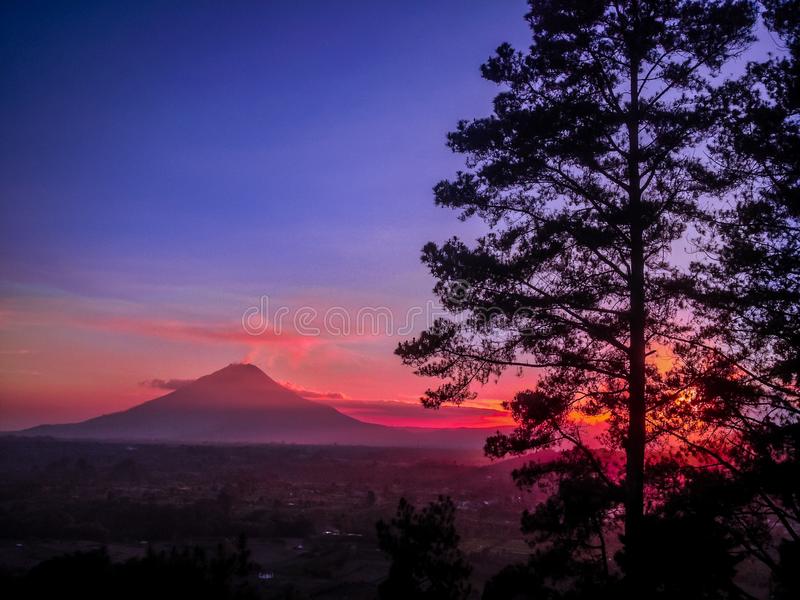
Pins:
x: 250, y: 143
x: 165, y: 164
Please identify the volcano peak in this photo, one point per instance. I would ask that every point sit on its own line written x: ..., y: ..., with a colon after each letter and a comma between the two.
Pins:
x: 238, y: 374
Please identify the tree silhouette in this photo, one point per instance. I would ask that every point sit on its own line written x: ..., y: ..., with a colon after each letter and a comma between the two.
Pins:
x: 426, y: 560
x: 691, y: 553
x: 587, y: 174
x: 570, y: 556
x: 758, y: 258
x: 178, y: 573
x: 745, y: 359
x: 787, y: 577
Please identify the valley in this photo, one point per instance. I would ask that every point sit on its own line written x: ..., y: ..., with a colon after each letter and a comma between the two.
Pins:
x: 309, y: 512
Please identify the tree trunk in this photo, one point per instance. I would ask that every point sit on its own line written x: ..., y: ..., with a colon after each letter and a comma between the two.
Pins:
x: 635, y: 447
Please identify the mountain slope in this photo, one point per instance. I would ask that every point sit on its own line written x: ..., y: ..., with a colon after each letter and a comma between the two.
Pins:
x: 242, y: 404
x: 239, y: 403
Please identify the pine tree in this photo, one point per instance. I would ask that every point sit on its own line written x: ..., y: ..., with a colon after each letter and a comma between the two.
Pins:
x: 745, y: 366
x: 426, y: 560
x: 754, y: 283
x: 587, y: 173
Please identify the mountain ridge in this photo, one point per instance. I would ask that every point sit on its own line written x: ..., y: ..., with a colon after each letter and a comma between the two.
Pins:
x: 242, y: 404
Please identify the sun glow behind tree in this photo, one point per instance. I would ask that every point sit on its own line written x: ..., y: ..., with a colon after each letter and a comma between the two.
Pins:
x: 588, y: 172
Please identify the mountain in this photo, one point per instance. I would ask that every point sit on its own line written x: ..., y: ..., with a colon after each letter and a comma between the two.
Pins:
x: 242, y: 404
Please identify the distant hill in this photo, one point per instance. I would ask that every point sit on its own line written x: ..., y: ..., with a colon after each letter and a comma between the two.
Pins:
x: 242, y: 404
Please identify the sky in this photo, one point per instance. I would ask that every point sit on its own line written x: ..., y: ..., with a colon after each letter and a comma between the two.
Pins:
x: 168, y: 167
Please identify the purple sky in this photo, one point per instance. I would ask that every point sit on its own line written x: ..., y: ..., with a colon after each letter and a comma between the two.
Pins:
x: 164, y: 165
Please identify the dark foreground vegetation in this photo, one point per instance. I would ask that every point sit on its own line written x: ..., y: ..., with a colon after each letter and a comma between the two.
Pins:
x: 188, y: 573
x: 308, y: 512
x: 166, y: 514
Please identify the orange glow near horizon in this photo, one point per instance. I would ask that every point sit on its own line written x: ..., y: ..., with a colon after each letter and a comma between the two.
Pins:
x: 65, y: 359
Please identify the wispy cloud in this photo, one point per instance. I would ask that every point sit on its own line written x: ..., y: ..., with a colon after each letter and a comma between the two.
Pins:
x: 313, y: 394
x: 166, y: 384
x: 389, y: 412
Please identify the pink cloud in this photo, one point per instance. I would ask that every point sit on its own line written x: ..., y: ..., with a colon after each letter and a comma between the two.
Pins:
x: 166, y: 384
x: 407, y: 414
x: 313, y: 394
